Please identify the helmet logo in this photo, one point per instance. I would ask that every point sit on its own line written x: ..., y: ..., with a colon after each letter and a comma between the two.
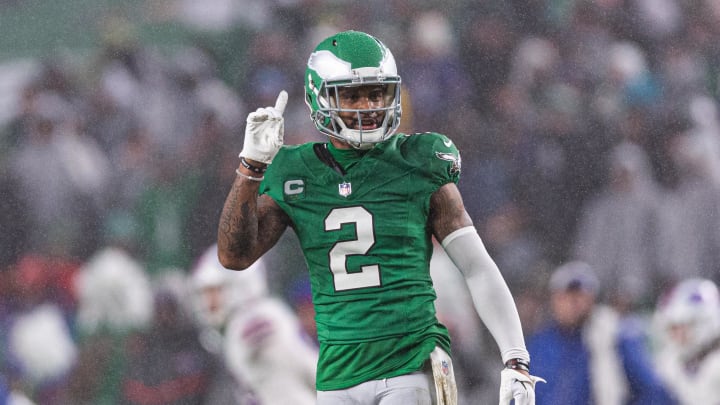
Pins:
x: 328, y: 65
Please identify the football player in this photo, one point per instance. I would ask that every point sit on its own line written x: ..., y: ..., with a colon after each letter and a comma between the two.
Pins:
x: 258, y: 336
x: 688, y: 321
x: 365, y: 206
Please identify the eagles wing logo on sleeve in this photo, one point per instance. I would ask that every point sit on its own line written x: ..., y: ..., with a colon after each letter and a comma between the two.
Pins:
x: 456, y: 162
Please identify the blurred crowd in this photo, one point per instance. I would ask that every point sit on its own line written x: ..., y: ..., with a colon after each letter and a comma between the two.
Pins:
x: 589, y: 131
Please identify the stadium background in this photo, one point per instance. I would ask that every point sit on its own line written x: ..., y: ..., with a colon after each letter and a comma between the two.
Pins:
x: 146, y: 102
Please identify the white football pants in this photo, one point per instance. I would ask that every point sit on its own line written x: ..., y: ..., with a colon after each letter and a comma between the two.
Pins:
x: 418, y: 388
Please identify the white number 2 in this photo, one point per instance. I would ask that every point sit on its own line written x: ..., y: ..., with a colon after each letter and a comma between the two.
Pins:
x: 369, y: 276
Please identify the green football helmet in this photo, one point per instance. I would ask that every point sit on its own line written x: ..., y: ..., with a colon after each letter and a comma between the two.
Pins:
x: 351, y: 58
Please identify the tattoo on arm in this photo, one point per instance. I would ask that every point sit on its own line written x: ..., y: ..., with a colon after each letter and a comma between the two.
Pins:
x: 230, y: 223
x: 244, y: 213
x: 447, y: 211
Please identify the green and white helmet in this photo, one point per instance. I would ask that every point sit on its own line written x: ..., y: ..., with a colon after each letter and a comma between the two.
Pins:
x: 351, y: 58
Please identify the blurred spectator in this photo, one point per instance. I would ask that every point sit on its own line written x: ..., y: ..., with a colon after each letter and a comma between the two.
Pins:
x: 515, y: 248
x: 164, y: 212
x: 432, y: 58
x: 221, y: 15
x: 594, y: 354
x: 37, y: 307
x: 113, y: 293
x: 268, y: 71
x: 655, y: 20
x: 627, y: 83
x: 557, y: 169
x: 13, y: 132
x: 682, y: 65
x: 617, y: 231
x: 213, y: 164
x: 489, y: 43
x: 61, y: 177
x: 43, y: 352
x: 132, y: 175
x: 690, y: 219
x: 114, y: 302
x: 108, y: 117
x: 688, y: 334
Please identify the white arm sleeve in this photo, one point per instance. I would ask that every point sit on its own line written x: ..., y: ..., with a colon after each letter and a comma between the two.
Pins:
x: 490, y: 294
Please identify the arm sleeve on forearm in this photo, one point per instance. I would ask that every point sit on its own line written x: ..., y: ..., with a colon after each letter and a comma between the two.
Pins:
x: 490, y: 294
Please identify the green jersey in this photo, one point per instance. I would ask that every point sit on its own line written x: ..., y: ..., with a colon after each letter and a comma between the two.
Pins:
x: 365, y: 236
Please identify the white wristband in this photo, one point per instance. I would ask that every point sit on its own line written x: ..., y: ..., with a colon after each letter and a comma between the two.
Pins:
x: 261, y: 178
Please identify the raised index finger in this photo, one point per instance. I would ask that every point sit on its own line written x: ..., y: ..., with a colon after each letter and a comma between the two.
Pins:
x: 281, y: 102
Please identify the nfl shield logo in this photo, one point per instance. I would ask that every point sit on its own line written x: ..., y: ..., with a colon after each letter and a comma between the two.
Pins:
x: 445, y: 367
x: 344, y: 189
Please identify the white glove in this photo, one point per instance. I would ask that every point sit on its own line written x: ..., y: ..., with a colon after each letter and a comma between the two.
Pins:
x: 264, y: 131
x: 518, y: 386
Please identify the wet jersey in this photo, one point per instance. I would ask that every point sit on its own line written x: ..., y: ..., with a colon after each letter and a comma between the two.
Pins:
x: 365, y: 236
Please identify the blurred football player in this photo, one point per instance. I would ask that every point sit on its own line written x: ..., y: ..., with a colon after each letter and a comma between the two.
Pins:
x: 688, y: 321
x: 365, y: 206
x: 259, y: 336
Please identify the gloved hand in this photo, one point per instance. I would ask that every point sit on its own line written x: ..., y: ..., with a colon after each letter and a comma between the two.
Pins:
x: 518, y: 386
x: 264, y: 131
